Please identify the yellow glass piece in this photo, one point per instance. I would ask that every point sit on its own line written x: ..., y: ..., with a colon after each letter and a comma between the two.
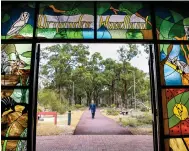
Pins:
x: 19, y: 108
x: 180, y: 111
x: 177, y: 144
x: 7, y: 112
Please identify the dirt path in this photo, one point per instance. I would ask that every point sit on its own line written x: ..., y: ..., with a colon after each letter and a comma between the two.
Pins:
x: 101, y: 125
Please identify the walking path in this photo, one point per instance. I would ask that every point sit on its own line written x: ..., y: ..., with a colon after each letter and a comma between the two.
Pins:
x: 101, y: 125
x: 99, y: 134
x: 95, y: 143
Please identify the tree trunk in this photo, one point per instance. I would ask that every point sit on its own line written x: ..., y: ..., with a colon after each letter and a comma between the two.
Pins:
x: 79, y: 100
x: 88, y: 98
x: 113, y: 84
x: 109, y: 100
x: 125, y: 93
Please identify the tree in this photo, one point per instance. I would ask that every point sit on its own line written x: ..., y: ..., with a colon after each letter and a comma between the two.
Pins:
x: 94, y: 78
x: 126, y: 53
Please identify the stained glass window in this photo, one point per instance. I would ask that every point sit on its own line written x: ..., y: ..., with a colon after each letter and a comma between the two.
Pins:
x: 15, y: 64
x: 177, y: 144
x: 14, y: 112
x: 123, y: 20
x: 14, y: 145
x: 174, y: 64
x: 17, y: 20
x: 66, y: 20
x: 176, y: 111
x: 172, y: 22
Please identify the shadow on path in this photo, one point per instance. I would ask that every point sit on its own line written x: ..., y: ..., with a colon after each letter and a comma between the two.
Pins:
x: 101, y: 125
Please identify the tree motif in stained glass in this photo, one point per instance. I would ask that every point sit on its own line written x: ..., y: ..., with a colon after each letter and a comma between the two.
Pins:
x: 17, y: 20
x: 66, y: 20
x: 174, y: 64
x: 123, y: 20
x: 14, y: 112
x: 15, y: 64
x: 172, y: 22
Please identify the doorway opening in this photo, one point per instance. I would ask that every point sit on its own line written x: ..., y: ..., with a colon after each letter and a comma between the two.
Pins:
x: 114, y: 76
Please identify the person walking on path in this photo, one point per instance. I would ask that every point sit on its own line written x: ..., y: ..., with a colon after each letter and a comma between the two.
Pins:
x: 93, y: 109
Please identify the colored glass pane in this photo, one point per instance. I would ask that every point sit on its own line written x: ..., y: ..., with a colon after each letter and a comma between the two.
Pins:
x: 176, y: 111
x: 17, y: 20
x: 66, y: 20
x: 15, y: 64
x: 14, y: 112
x: 172, y: 21
x: 14, y: 145
x: 174, y: 64
x: 123, y: 20
x: 177, y: 144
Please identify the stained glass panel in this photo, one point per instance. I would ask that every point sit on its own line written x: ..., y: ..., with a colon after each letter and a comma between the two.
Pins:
x: 15, y: 64
x: 172, y: 21
x: 177, y: 144
x: 17, y: 20
x: 14, y: 145
x: 66, y: 20
x: 174, y: 64
x: 123, y: 20
x: 176, y: 111
x: 14, y: 112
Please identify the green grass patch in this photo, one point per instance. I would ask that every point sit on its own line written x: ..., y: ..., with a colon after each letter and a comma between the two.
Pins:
x: 111, y: 111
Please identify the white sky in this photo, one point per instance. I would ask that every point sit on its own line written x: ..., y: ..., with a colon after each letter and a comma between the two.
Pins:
x: 110, y: 51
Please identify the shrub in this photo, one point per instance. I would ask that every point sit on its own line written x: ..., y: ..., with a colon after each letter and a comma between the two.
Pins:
x: 129, y: 122
x: 103, y: 105
x: 112, y: 112
x: 143, y: 109
x: 145, y: 119
x: 113, y: 106
x: 78, y: 106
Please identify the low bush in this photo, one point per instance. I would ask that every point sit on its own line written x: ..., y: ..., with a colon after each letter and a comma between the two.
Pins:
x: 145, y: 119
x: 132, y: 122
x: 144, y: 109
x: 103, y: 105
x: 112, y: 112
x: 78, y: 106
x: 113, y: 106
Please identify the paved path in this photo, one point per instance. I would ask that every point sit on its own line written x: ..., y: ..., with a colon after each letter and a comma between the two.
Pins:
x: 95, y: 143
x: 101, y: 125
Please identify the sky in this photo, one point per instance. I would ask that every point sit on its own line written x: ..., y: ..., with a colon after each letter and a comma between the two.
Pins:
x: 110, y: 51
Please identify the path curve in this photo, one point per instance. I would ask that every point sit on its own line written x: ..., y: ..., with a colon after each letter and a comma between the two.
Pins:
x: 101, y: 125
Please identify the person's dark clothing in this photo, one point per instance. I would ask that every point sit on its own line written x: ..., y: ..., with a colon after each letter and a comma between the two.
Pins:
x: 93, y: 109
x: 93, y: 114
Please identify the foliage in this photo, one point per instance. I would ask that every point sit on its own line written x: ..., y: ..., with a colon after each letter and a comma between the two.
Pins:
x: 129, y: 122
x: 145, y: 119
x: 71, y: 68
x: 134, y: 121
x: 112, y: 112
x: 143, y: 109
x: 113, y: 106
x: 78, y: 106
x: 49, y: 99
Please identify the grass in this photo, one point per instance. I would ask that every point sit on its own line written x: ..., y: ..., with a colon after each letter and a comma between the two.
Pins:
x: 46, y: 128
x: 141, y: 130
x: 139, y: 123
